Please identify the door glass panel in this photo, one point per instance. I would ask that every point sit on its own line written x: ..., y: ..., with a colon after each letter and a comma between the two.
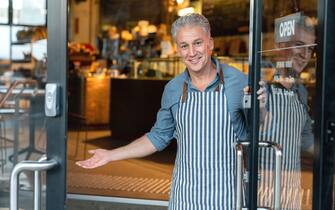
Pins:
x: 22, y: 121
x: 31, y: 12
x: 288, y: 65
x: 4, y: 4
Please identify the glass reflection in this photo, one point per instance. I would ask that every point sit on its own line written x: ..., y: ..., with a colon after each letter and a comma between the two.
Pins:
x: 285, y: 117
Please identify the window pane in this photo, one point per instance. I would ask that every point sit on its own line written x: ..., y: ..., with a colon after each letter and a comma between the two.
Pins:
x: 3, y: 11
x: 21, y: 52
x: 31, y: 12
x: 4, y: 43
x: 21, y: 34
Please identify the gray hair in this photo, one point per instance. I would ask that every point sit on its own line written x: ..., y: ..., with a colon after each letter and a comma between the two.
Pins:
x: 192, y: 19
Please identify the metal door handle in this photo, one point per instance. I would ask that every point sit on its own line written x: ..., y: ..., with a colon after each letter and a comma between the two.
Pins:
x: 278, y: 153
x: 239, y: 153
x: 37, y: 186
x: 42, y: 165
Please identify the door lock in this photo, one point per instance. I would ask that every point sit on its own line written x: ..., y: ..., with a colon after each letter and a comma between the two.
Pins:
x: 52, y: 98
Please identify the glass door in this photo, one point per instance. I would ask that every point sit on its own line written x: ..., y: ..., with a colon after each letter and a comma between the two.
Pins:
x: 287, y: 119
x: 23, y: 75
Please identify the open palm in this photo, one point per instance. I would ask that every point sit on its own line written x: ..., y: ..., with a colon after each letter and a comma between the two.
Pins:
x: 100, y: 157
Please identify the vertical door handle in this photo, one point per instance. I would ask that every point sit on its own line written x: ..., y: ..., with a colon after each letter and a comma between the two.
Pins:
x: 27, y: 165
x: 278, y: 159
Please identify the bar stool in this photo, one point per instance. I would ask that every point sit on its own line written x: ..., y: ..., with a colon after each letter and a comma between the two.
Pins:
x: 11, y: 111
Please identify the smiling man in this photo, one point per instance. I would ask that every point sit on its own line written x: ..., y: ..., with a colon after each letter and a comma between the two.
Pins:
x: 202, y: 109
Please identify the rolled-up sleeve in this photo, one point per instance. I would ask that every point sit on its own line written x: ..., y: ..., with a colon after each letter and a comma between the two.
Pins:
x: 163, y: 130
x: 235, y: 81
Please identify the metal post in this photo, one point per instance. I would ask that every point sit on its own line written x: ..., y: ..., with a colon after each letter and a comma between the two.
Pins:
x: 26, y: 166
x: 16, y: 131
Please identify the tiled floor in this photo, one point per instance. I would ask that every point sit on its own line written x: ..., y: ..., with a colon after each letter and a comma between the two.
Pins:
x: 152, y: 179
x: 75, y: 173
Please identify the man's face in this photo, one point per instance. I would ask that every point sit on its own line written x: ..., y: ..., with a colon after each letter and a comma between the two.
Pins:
x: 301, y: 55
x: 195, y: 47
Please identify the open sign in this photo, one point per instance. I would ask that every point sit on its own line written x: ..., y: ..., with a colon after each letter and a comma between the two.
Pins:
x: 285, y: 27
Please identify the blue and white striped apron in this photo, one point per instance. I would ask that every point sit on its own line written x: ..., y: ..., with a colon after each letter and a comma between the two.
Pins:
x: 283, y: 124
x: 204, y: 173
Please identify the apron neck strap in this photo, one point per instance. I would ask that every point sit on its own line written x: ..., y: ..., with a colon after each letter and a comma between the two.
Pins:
x: 221, y: 80
x: 217, y: 89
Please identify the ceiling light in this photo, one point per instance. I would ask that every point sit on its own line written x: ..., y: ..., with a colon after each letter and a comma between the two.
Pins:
x: 180, y: 1
x: 185, y: 11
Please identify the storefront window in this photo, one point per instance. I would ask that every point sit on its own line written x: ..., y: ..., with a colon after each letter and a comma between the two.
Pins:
x: 4, y: 42
x: 32, y: 12
x: 4, y: 11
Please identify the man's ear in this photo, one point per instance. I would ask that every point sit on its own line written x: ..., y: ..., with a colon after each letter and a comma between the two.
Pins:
x: 211, y: 43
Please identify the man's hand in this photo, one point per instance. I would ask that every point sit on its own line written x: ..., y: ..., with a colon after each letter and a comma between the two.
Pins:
x: 141, y: 147
x: 262, y: 94
x: 100, y: 157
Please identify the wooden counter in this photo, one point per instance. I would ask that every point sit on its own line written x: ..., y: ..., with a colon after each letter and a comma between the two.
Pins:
x: 129, y: 106
x: 89, y: 98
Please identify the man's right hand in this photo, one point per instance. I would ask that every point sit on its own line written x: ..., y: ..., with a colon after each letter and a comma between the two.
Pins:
x: 141, y: 147
x: 100, y: 157
x: 261, y: 93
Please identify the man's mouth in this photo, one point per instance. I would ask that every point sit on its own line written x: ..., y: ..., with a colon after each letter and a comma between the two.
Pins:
x: 194, y: 60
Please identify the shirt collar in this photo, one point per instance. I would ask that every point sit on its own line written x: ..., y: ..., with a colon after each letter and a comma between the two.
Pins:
x: 214, y: 82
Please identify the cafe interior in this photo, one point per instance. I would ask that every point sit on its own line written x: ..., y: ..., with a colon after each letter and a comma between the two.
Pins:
x: 121, y: 55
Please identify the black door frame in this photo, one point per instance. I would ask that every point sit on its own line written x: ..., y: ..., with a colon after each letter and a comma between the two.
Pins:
x: 324, y: 147
x: 325, y: 104
x: 57, y: 21
x: 255, y: 42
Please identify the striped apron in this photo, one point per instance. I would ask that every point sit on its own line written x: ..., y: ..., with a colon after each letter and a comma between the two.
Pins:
x: 204, y: 173
x: 283, y: 124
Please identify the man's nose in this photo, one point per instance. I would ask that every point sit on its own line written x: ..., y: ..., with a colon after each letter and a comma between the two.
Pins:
x: 304, y: 52
x: 192, y: 51
x: 301, y: 52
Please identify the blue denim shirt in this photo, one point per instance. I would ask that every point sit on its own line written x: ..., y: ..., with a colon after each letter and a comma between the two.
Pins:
x: 234, y: 81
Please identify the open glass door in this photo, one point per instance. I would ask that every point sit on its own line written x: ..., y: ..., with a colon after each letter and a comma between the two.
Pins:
x: 289, y: 75
x: 47, y: 100
x: 287, y: 111
x: 23, y: 76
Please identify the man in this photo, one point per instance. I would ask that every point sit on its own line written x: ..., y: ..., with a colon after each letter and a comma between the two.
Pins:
x: 287, y: 121
x: 201, y: 108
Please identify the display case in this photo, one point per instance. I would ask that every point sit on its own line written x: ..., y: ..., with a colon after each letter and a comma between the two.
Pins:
x: 167, y: 68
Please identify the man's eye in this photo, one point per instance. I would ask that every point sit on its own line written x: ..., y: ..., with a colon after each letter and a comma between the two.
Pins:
x: 310, y: 49
x: 198, y: 43
x: 183, y: 46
